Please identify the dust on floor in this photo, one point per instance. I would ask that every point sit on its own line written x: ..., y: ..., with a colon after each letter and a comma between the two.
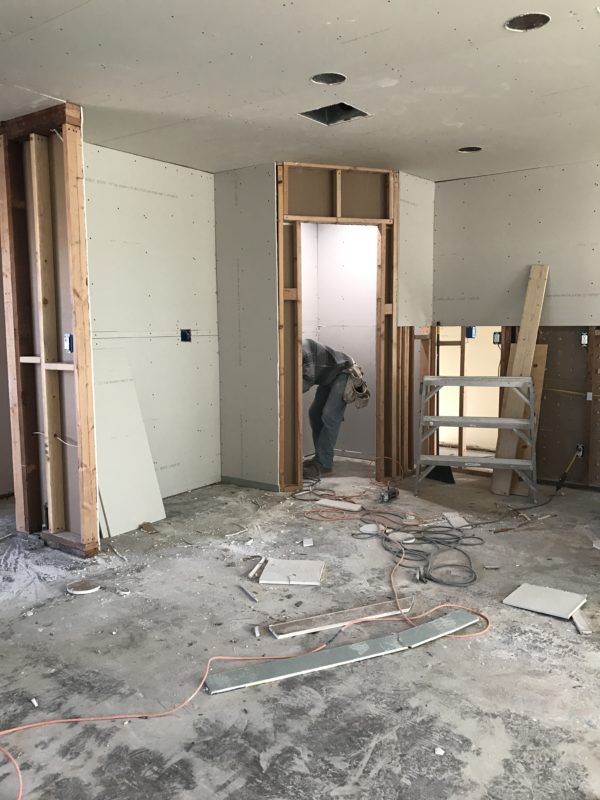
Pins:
x: 515, y: 711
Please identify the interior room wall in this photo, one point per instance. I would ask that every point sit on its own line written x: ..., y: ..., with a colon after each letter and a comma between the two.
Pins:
x: 339, y: 296
x: 489, y: 230
x: 415, y: 250
x: 151, y: 243
x: 248, y: 326
x: 6, y: 477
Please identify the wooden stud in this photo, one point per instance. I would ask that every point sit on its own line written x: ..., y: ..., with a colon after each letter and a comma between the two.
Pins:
x: 298, y: 327
x: 379, y: 360
x: 283, y: 445
x: 594, y: 406
x: 78, y: 272
x: 338, y: 193
x: 339, y: 220
x: 334, y: 166
x: 43, y: 256
x: 512, y: 405
x: 19, y: 337
x: 461, y: 391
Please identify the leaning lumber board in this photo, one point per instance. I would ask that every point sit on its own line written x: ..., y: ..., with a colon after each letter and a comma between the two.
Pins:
x: 337, y: 619
x: 275, y: 670
x: 512, y: 405
x: 537, y: 373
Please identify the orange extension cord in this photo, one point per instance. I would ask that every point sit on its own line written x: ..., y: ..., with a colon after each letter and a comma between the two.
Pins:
x: 170, y: 711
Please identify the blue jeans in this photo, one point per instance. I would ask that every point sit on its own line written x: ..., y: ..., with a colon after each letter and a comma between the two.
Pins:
x: 326, y: 415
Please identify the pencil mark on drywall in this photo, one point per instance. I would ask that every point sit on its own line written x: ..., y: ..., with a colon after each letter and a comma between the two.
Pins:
x: 365, y: 36
x: 131, y: 188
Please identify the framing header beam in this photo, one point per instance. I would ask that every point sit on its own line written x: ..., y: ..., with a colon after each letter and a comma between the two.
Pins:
x: 42, y: 122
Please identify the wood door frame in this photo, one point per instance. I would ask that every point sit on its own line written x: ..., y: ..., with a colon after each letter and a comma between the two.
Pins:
x: 333, y: 194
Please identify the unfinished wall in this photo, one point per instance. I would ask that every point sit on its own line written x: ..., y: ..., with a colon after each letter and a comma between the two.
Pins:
x: 151, y: 231
x: 248, y: 333
x: 489, y: 230
x: 339, y: 301
x: 6, y: 481
x: 415, y: 251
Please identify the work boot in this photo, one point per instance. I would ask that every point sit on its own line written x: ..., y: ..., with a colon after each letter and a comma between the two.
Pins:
x: 312, y: 470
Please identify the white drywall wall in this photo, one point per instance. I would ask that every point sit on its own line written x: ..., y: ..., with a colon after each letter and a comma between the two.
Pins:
x: 6, y: 478
x: 151, y: 243
x: 489, y: 230
x: 339, y: 302
x: 415, y: 251
x: 248, y: 327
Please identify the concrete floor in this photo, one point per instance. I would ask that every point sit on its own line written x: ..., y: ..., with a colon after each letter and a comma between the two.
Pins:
x: 516, y: 711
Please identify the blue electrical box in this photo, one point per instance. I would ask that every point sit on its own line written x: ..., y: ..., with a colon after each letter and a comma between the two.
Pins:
x: 470, y: 332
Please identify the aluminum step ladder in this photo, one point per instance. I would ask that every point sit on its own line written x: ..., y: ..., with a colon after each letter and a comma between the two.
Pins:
x: 524, y: 428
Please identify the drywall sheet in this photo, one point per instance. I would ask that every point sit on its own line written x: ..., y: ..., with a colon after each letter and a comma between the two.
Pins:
x: 245, y: 203
x: 489, y: 230
x: 415, y: 251
x: 127, y: 482
x: 339, y: 304
x: 268, y: 671
x: 153, y: 294
x: 544, y: 600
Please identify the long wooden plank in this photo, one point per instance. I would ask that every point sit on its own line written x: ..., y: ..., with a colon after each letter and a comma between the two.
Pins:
x: 379, y: 359
x: 537, y: 373
x: 43, y: 256
x: 78, y: 272
x: 337, y: 619
x: 281, y: 326
x: 269, y: 671
x: 298, y: 406
x: 19, y: 338
x: 512, y: 405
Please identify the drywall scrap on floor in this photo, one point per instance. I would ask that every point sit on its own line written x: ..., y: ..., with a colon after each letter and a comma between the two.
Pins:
x: 268, y: 671
x: 151, y: 241
x: 248, y: 329
x: 127, y: 483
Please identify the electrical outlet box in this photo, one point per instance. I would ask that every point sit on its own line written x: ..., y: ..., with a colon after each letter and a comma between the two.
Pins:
x: 584, y: 339
x: 497, y: 337
x: 68, y: 342
x: 186, y: 334
x: 470, y: 332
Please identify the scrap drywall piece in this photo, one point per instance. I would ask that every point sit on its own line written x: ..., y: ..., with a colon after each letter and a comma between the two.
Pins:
x: 545, y: 600
x: 286, y: 572
x: 269, y: 671
x: 341, y: 505
x: 337, y: 619
x: 455, y: 520
x: 126, y: 475
x: 581, y: 623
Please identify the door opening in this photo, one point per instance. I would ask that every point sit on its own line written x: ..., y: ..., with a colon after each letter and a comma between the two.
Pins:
x: 339, y: 310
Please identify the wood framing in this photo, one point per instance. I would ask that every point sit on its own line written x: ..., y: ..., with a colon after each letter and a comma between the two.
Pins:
x: 538, y: 370
x: 593, y: 396
x: 325, y: 193
x: 512, y: 406
x: 27, y: 214
x: 19, y: 337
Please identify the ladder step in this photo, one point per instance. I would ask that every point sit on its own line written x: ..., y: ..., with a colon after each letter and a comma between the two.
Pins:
x: 486, y: 461
x: 471, y: 380
x: 478, y: 422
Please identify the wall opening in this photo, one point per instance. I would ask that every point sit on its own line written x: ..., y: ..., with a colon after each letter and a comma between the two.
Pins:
x: 339, y: 309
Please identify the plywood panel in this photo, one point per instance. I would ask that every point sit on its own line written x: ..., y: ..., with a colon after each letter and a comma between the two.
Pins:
x: 563, y: 422
x: 248, y: 324
x: 311, y: 192
x: 365, y: 195
x: 126, y: 476
x: 152, y: 272
x: 488, y: 229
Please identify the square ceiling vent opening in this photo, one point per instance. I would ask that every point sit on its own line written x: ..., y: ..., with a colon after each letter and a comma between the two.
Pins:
x: 331, y: 115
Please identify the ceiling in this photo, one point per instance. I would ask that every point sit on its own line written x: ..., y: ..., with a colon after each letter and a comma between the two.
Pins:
x: 218, y: 85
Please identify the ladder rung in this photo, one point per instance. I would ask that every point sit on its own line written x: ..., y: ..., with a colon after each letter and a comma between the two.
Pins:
x: 469, y: 461
x: 502, y: 382
x: 478, y: 422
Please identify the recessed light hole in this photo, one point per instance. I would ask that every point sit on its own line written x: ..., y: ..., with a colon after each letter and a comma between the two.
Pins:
x: 331, y: 115
x: 470, y: 149
x: 527, y: 22
x: 328, y: 78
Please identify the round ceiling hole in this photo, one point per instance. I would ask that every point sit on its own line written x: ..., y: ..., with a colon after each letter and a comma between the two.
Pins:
x: 527, y: 22
x: 328, y: 78
x: 470, y: 149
